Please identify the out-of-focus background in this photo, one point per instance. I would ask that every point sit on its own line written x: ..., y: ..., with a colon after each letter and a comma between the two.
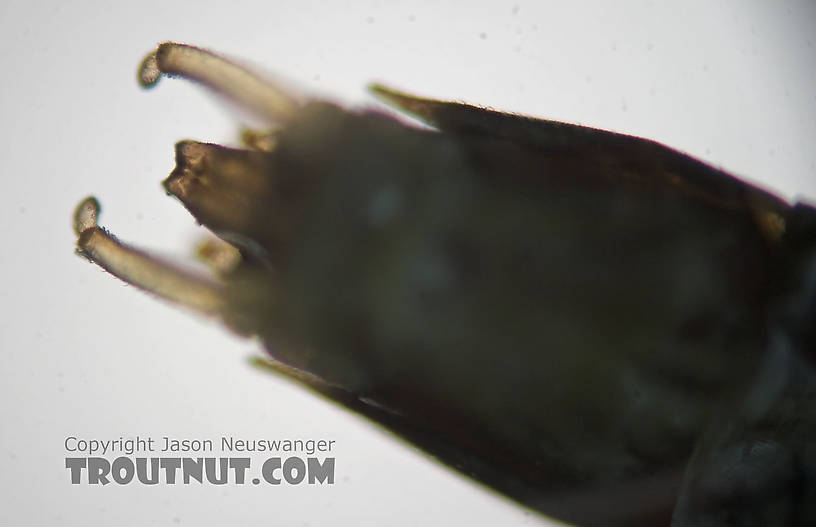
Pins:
x: 84, y: 355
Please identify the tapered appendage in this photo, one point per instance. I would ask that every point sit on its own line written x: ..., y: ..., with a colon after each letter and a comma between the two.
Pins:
x: 217, y: 184
x: 302, y: 376
x: 231, y: 192
x: 417, y: 106
x: 247, y: 89
x: 139, y: 268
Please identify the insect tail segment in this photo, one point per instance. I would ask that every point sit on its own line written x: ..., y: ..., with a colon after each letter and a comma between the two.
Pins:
x: 231, y: 192
x: 238, y: 84
x: 217, y: 184
x: 139, y: 268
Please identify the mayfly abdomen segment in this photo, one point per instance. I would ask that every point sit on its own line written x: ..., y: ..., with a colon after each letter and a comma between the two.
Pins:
x: 557, y: 311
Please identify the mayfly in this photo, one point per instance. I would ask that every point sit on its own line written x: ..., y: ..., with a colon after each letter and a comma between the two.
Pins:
x: 602, y: 328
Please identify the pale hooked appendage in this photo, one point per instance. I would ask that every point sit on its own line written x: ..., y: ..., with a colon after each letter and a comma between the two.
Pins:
x: 231, y: 81
x: 140, y: 269
x: 193, y: 181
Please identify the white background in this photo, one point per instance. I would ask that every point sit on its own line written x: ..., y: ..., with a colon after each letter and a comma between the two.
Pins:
x: 732, y: 82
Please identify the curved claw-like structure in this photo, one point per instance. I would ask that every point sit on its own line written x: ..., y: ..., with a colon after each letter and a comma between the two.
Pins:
x: 233, y: 82
x: 140, y: 269
x: 244, y: 87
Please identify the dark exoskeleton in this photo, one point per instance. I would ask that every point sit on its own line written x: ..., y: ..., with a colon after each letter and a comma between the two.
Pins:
x: 602, y: 328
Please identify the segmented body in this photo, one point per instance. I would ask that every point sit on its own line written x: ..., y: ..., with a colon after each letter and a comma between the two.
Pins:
x: 563, y: 313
